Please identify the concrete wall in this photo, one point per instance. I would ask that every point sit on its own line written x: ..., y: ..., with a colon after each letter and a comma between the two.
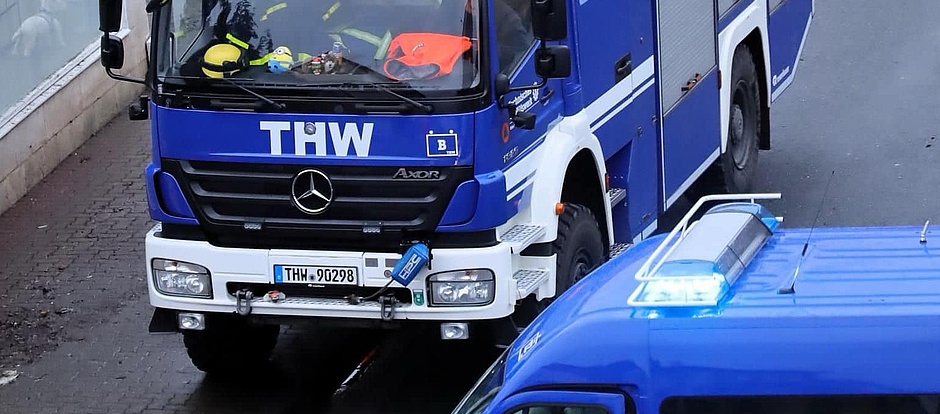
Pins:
x: 67, y: 109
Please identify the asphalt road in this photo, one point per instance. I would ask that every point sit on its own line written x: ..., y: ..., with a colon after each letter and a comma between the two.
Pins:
x: 864, y: 110
x: 859, y: 120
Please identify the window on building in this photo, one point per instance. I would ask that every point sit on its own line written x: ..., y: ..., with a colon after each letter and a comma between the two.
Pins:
x: 39, y: 37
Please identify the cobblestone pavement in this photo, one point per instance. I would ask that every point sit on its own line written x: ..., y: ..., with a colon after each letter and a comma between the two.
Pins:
x: 74, y: 315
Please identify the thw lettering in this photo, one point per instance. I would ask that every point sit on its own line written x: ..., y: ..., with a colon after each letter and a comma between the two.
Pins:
x: 318, y: 138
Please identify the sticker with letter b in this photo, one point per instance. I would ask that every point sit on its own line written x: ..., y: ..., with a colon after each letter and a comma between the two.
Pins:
x: 442, y: 144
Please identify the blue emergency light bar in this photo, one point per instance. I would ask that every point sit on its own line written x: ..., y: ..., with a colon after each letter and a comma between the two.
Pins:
x: 702, y: 264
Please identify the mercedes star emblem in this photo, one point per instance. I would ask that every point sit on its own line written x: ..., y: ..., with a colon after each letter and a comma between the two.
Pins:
x: 312, y: 191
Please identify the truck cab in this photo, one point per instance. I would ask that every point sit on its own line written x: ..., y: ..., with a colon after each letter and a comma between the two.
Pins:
x: 793, y: 321
x: 448, y: 162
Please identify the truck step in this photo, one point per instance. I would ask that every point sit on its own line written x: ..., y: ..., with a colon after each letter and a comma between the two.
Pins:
x: 528, y: 281
x: 616, y: 195
x: 618, y: 248
x: 521, y: 236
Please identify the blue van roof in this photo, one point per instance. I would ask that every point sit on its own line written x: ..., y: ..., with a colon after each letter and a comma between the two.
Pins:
x: 864, y: 318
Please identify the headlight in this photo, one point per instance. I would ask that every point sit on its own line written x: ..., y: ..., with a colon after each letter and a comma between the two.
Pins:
x: 181, y: 279
x: 462, y: 287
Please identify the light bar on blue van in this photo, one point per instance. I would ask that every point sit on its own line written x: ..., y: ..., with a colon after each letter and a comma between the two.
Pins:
x: 702, y: 264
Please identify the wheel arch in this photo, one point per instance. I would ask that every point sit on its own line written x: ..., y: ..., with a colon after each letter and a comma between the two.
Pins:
x: 584, y: 186
x: 569, y: 159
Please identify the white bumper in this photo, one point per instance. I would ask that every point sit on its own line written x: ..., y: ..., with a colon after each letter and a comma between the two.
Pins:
x: 257, y: 266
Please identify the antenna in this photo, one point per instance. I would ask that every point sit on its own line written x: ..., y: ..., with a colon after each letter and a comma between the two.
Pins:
x: 792, y: 288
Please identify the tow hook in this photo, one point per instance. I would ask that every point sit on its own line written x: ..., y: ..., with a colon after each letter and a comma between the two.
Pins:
x: 243, y: 302
x: 388, y: 303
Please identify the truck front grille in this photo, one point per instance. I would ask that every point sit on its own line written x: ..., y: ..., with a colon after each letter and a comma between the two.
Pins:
x: 249, y: 205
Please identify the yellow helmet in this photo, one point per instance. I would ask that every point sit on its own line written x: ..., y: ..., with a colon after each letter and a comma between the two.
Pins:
x: 222, y: 60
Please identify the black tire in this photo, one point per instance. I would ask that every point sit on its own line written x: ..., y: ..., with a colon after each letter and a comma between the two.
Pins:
x: 579, y: 249
x: 734, y: 170
x: 229, y: 345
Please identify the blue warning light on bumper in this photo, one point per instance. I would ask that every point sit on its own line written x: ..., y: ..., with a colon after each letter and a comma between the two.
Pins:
x: 411, y: 263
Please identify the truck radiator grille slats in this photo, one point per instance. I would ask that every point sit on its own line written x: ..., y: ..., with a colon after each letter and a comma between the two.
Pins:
x: 368, y: 202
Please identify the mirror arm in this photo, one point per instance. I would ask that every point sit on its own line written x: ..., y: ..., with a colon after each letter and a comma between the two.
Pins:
x: 499, y: 100
x: 125, y: 78
x: 542, y: 82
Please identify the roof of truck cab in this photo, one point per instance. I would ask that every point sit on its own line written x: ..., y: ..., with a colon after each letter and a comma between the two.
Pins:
x: 861, y: 294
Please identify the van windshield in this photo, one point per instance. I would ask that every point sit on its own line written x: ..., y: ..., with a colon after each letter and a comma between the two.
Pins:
x: 479, y: 398
x: 426, y: 44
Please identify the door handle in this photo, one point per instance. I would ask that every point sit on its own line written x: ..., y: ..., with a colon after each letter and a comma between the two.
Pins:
x: 692, y: 82
x: 623, y: 68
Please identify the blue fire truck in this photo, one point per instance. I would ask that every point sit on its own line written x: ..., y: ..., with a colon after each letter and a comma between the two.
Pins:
x: 731, y: 314
x: 455, y: 162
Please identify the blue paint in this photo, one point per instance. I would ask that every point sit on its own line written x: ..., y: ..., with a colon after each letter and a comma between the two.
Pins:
x: 728, y: 17
x: 174, y: 202
x: 691, y: 132
x: 463, y: 205
x: 865, y: 305
x: 491, y: 207
x: 787, y: 25
x: 247, y: 137
x: 155, y: 204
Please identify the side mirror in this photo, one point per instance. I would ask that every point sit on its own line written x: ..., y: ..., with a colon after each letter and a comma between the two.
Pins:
x: 502, y: 85
x: 549, y: 19
x: 524, y: 120
x: 109, y: 15
x: 112, y: 52
x: 553, y: 62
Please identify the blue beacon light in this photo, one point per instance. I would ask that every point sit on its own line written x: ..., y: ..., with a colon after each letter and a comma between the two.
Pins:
x: 699, y: 267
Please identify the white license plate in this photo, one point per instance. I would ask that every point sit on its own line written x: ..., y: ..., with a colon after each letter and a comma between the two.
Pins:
x: 317, y: 275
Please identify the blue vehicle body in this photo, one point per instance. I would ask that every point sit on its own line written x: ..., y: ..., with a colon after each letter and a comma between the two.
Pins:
x: 863, y: 320
x: 607, y: 120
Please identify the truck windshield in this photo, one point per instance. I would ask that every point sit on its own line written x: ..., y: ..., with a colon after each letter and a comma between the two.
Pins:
x: 478, y: 399
x: 418, y: 44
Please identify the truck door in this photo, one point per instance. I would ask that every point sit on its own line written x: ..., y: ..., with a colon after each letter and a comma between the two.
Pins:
x: 562, y: 402
x: 788, y: 25
x: 689, y: 94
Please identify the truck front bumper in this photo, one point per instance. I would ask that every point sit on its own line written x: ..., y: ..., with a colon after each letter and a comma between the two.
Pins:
x: 255, y: 267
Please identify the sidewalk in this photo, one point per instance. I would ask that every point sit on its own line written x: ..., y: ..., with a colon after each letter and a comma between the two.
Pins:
x: 74, y: 309
x: 70, y: 250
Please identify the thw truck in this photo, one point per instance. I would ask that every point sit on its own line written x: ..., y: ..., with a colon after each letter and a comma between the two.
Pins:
x: 456, y: 162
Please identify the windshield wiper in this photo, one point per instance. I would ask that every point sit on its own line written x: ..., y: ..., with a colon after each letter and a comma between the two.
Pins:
x: 266, y: 100
x: 415, y: 104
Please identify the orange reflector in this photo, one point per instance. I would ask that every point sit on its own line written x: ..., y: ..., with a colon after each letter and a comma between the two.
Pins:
x: 559, y: 208
x: 606, y: 182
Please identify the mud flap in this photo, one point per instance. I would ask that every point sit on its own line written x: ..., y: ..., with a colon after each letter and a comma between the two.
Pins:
x: 163, y: 321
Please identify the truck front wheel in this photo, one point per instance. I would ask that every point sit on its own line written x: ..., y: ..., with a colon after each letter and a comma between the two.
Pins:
x: 230, y: 344
x: 578, y: 248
